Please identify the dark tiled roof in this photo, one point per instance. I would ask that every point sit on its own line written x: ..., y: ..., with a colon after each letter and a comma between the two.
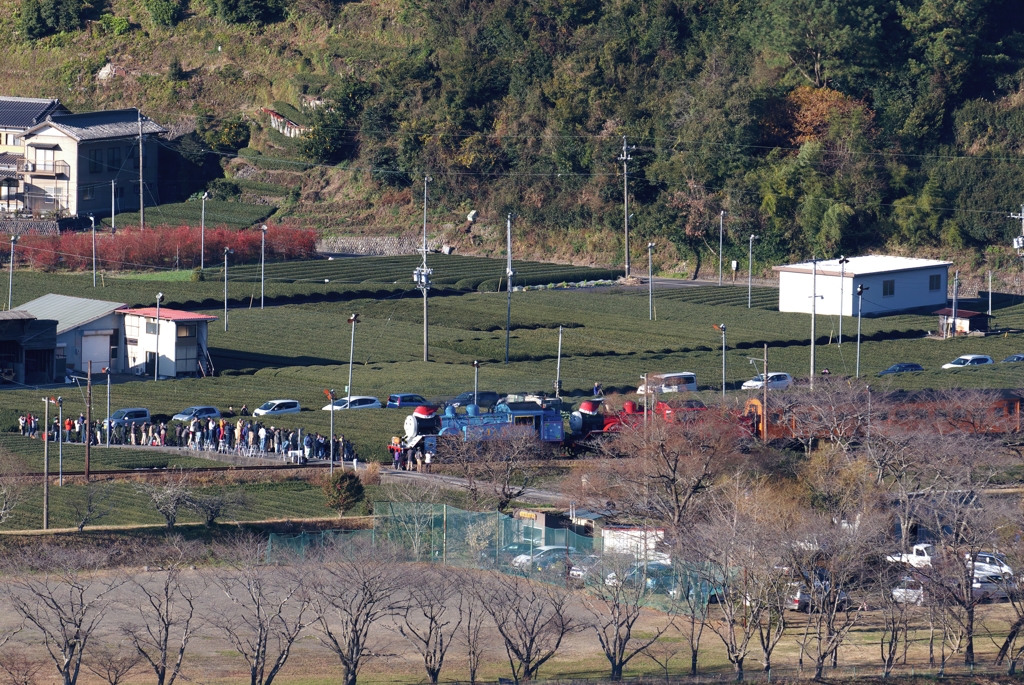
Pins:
x: 9, y: 158
x: 114, y: 123
x: 27, y: 112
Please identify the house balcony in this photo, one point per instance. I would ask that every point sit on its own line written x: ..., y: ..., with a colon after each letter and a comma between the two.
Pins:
x: 50, y: 169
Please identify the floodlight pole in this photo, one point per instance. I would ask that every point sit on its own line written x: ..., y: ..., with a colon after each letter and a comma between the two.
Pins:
x: 10, y: 282
x: 721, y: 243
x: 509, y: 273
x: 60, y: 441
x: 263, y: 251
x: 764, y: 406
x: 46, y: 463
x: 558, y: 366
x: 421, y: 275
x: 956, y: 293
x: 227, y: 251
x: 814, y: 311
x: 843, y: 261
x: 650, y: 281
x: 750, y: 269
x: 92, y: 220
x: 625, y: 159
x: 156, y: 355
x: 722, y: 327
x: 860, y: 302
x: 202, y: 235
x: 354, y: 319
x: 332, y: 397
x: 990, y: 292
x: 113, y: 205
x: 476, y: 382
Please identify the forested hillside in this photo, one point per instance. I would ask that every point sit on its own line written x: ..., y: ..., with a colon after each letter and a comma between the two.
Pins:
x: 822, y: 126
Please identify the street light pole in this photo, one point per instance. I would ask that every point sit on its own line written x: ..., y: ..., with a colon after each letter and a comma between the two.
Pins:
x: 46, y: 463
x: 10, y: 282
x: 60, y: 441
x: 509, y: 273
x: 227, y: 251
x: 263, y: 260
x: 721, y: 328
x: 650, y: 281
x: 814, y: 312
x: 354, y: 319
x: 202, y: 235
x: 843, y: 261
x: 721, y: 243
x: 156, y: 355
x: 860, y: 301
x: 750, y: 268
x: 332, y: 396
x: 626, y: 159
x: 92, y: 220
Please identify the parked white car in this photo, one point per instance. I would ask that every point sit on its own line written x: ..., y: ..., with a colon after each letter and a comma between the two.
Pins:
x: 777, y: 380
x: 989, y: 564
x: 965, y: 360
x: 909, y: 591
x: 525, y: 560
x: 920, y: 556
x: 276, y: 407
x: 360, y: 402
x: 683, y: 381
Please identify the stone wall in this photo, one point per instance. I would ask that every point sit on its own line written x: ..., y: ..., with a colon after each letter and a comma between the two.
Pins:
x: 383, y: 246
x: 40, y: 227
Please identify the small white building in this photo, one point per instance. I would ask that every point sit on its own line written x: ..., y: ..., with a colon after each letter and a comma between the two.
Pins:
x: 892, y: 284
x: 178, y: 340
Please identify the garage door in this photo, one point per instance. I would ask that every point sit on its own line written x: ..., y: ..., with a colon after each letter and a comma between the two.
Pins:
x: 95, y: 349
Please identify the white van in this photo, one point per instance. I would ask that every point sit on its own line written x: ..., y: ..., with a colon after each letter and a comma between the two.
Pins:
x: 684, y: 381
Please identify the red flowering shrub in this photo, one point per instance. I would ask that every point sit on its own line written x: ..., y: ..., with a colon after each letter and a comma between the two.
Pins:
x: 161, y: 247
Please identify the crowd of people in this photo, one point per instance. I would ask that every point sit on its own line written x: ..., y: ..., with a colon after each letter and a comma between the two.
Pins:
x: 244, y: 437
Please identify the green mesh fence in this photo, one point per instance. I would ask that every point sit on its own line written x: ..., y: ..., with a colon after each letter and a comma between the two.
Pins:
x: 279, y: 546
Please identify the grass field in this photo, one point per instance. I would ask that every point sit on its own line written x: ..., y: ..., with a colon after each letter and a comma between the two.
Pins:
x: 218, y: 213
x: 296, y: 351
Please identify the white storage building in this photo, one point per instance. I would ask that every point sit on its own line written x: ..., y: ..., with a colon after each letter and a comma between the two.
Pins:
x: 893, y: 284
x: 87, y: 331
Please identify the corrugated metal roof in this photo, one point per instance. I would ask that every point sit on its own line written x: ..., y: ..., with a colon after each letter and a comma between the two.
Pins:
x: 863, y: 266
x: 170, y: 314
x: 114, y: 123
x: 69, y: 312
x: 25, y: 112
x: 15, y: 315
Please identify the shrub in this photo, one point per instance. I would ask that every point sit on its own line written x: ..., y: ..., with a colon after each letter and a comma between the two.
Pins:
x: 232, y: 134
x: 163, y: 12
x: 343, y: 491
x: 114, y: 26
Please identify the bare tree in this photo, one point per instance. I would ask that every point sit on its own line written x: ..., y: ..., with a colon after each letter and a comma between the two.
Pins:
x: 532, y: 620
x: 169, y: 494
x: 18, y: 668
x: 409, y: 515
x: 63, y: 597
x: 691, y: 617
x: 432, y: 618
x: 501, y: 469
x: 473, y: 614
x: 113, y: 664
x: 12, y: 486
x: 895, y: 610
x: 675, y: 463
x: 90, y: 502
x: 166, y: 606
x: 662, y: 652
x: 357, y: 588
x: 212, y: 504
x: 615, y: 608
x: 267, y: 608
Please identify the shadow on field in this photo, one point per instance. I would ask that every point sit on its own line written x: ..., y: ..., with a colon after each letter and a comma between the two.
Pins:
x: 235, y: 360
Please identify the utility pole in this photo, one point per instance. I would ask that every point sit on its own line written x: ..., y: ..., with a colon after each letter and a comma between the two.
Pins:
x: 626, y: 159
x: 60, y: 441
x: 88, y: 418
x: 956, y: 293
x: 721, y: 244
x: 92, y: 220
x: 1018, y: 242
x: 764, y: 406
x: 860, y: 302
x: 509, y: 273
x: 843, y: 261
x: 46, y: 463
x: 142, y: 178
x: 721, y: 327
x: 476, y: 383
x: 113, y: 205
x: 108, y: 426
x: 990, y: 292
x: 156, y: 354
x: 421, y: 275
x: 750, y: 268
x: 227, y: 251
